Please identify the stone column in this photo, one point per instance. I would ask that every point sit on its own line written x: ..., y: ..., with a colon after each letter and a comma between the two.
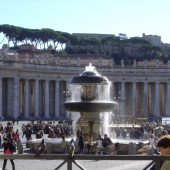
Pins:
x: 157, y: 100
x: 168, y: 99
x: 57, y: 99
x: 112, y: 91
x: 122, y: 98
x: 1, y: 97
x: 133, y: 99
x: 47, y: 98
x: 26, y: 97
x: 145, y: 101
x: 16, y: 98
x: 36, y: 98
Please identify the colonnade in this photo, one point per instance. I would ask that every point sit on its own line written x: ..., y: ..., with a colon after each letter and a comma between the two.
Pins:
x: 142, y: 99
x: 31, y: 98
x: 44, y: 98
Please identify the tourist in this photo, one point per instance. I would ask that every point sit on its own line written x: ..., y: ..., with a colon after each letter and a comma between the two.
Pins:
x: 106, y: 143
x: 80, y: 143
x: 153, y: 141
x: 8, y: 149
x: 41, y: 148
x: 89, y: 140
x: 39, y: 134
x: 63, y: 145
x: 17, y: 120
x: 13, y: 121
x: 117, y: 131
x: 1, y: 137
x: 71, y: 148
x: 164, y: 148
x: 99, y: 146
x: 27, y: 133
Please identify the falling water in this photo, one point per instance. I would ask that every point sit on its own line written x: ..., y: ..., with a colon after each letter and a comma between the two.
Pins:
x: 105, y: 91
x: 76, y: 93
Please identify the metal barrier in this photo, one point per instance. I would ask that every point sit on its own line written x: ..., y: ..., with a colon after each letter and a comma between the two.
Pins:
x: 70, y: 160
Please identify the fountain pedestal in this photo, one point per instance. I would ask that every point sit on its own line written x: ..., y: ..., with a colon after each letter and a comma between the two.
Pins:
x: 89, y: 123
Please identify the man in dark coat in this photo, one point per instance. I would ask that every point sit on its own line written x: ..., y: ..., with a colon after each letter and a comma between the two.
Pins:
x: 81, y: 143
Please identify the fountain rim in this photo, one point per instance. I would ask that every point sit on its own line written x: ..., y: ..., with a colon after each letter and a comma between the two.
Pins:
x: 90, y: 106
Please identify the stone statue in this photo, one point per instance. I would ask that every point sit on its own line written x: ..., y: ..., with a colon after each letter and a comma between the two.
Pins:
x: 134, y: 63
x: 132, y: 149
x: 157, y: 63
x: 145, y: 63
x: 122, y: 63
x: 19, y: 147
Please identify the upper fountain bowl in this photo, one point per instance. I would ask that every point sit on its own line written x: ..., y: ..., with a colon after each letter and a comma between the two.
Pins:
x: 90, y: 92
x: 88, y: 106
x: 90, y: 75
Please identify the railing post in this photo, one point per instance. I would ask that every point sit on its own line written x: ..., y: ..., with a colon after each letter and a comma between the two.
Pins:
x: 69, y: 163
x: 157, y: 164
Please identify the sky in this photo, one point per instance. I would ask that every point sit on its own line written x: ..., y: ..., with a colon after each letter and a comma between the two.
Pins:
x: 130, y: 17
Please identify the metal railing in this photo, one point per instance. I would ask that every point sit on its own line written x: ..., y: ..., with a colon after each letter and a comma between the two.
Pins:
x: 70, y: 160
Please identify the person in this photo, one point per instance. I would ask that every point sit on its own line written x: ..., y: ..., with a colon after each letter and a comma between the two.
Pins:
x: 164, y: 148
x: 71, y: 149
x: 38, y: 134
x: 153, y: 141
x: 8, y: 149
x: 106, y: 143
x: 63, y: 144
x: 99, y: 146
x: 17, y: 120
x: 89, y: 143
x: 41, y: 148
x: 13, y: 121
x: 81, y: 143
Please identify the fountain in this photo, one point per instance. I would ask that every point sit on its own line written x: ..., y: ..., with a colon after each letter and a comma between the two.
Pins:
x: 89, y: 99
x: 90, y: 96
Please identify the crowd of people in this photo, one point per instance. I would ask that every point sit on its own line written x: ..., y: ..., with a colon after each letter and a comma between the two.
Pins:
x: 10, y: 139
x: 51, y: 129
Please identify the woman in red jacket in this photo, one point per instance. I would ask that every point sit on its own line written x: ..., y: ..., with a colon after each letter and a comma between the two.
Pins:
x: 8, y: 149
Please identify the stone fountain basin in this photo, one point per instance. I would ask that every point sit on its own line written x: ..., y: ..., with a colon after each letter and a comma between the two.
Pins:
x: 53, y: 145
x: 90, y: 106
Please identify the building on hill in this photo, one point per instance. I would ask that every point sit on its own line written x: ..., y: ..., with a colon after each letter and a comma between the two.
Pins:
x: 153, y: 39
x: 92, y: 35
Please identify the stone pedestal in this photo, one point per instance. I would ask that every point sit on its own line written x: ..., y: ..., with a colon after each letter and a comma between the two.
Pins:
x: 90, y: 123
